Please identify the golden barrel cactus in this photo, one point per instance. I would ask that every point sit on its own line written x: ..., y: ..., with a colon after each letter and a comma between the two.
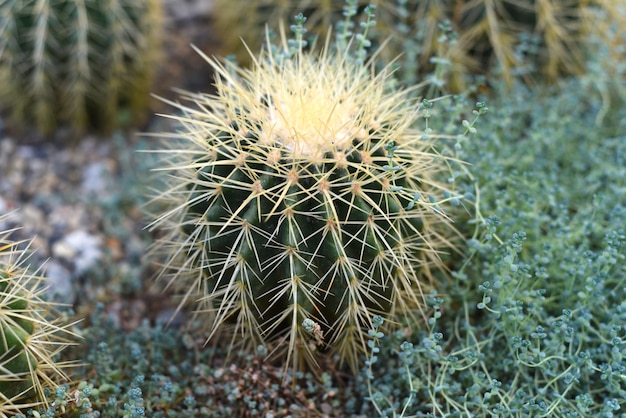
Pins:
x: 303, y: 200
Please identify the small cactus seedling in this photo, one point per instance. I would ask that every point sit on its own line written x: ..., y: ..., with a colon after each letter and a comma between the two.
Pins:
x: 304, y: 201
x: 77, y: 62
x: 29, y: 340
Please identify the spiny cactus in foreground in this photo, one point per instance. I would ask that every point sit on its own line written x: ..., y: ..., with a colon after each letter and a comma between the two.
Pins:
x: 303, y: 201
x: 77, y: 62
x: 30, y: 340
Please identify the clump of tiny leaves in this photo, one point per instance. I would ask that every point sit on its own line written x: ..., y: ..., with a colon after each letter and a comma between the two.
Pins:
x: 308, y: 195
x: 532, y: 323
x: 156, y: 372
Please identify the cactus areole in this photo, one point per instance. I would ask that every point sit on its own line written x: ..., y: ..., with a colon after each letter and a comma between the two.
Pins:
x: 309, y: 196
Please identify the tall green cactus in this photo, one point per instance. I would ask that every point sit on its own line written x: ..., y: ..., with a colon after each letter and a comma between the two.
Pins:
x: 304, y: 201
x: 77, y: 62
x: 30, y: 336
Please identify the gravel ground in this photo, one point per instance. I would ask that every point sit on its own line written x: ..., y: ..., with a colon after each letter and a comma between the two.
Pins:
x: 81, y: 206
x: 80, y: 201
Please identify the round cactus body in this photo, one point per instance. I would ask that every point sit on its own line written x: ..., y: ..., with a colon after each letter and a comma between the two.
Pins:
x: 305, y: 194
x: 30, y: 335
x: 17, y: 363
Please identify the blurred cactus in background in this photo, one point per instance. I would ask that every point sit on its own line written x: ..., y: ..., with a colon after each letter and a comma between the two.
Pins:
x: 31, y: 334
x: 77, y: 62
x: 544, y: 36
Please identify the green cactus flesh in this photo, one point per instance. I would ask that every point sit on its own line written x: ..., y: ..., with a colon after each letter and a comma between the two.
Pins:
x: 16, y: 363
x: 308, y: 196
x: 329, y: 241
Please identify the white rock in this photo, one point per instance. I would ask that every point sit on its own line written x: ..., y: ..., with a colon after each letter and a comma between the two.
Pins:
x: 86, y: 249
x: 95, y: 178
x: 60, y: 282
x: 62, y: 250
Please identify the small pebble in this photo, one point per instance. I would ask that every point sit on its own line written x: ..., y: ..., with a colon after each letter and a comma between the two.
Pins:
x: 60, y: 281
x: 87, y: 249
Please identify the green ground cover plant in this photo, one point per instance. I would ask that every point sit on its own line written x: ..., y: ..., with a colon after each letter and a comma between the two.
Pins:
x: 533, y: 322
